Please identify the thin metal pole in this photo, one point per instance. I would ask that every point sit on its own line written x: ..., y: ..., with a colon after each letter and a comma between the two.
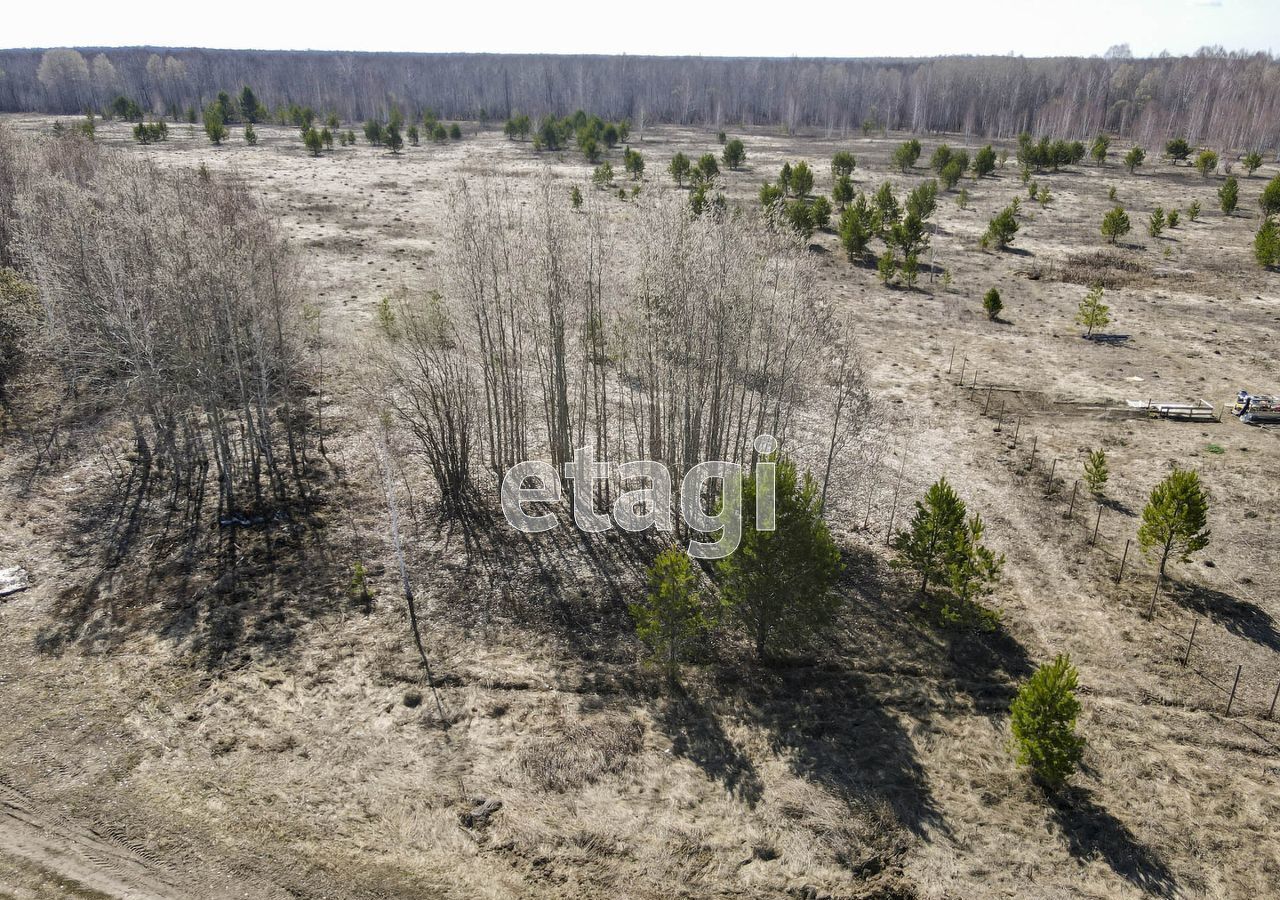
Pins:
x: 1186, y: 657
x: 952, y: 361
x: 1123, y: 560
x: 987, y: 405
x: 1016, y: 428
x: 1035, y: 438
x: 1232, y: 698
x: 1271, y: 713
x: 975, y: 380
x: 1000, y: 424
x: 964, y: 362
x: 1093, y: 540
x: 1053, y: 468
x: 1072, y: 508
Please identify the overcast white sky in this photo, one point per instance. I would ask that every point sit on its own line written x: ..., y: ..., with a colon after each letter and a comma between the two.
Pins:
x: 716, y: 28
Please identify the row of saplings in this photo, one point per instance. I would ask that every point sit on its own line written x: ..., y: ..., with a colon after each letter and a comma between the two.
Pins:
x: 778, y: 589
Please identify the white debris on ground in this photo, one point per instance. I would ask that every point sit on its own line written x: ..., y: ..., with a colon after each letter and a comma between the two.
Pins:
x: 12, y: 580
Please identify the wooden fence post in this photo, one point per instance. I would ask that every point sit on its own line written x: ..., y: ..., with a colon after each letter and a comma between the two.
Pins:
x: 1232, y: 698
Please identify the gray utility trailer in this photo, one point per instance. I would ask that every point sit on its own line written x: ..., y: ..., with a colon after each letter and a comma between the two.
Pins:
x: 1200, y: 411
x: 1257, y: 409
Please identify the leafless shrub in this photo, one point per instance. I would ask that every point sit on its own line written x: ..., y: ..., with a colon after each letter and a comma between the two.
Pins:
x: 170, y: 297
x: 1108, y: 268
x: 434, y: 395
x: 680, y: 345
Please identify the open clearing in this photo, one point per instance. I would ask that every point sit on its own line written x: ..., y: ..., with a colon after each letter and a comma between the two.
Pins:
x: 307, y: 763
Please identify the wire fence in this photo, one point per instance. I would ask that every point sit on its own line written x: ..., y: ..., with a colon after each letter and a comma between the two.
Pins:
x: 1227, y: 644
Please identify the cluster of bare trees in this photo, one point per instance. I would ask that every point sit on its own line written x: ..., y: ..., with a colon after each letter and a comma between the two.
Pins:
x: 678, y: 344
x: 1228, y: 99
x: 169, y: 299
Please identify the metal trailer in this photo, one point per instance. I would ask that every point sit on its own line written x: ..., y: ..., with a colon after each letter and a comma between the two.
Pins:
x: 1257, y: 409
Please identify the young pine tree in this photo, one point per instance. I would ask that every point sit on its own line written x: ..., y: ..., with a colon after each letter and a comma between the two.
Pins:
x: 1155, y: 224
x: 1134, y: 158
x: 992, y: 304
x: 842, y: 190
x: 214, y: 125
x: 1206, y: 163
x: 801, y: 179
x: 313, y: 141
x: 1093, y: 313
x: 842, y: 164
x: 943, y: 546
x: 679, y: 168
x: 1002, y: 228
x: 927, y: 542
x: 1115, y: 224
x: 1096, y: 473
x: 1229, y: 195
x: 1043, y: 719
x: 670, y: 616
x: 735, y: 153
x: 1177, y: 150
x: 1175, y: 520
x: 856, y: 228
x: 1270, y: 199
x: 393, y: 139
x: 1101, y: 144
x: 777, y: 585
x: 887, y: 266
x: 984, y: 162
x: 1266, y: 244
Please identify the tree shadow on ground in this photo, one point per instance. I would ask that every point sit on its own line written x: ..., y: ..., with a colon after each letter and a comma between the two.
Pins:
x: 843, y: 715
x: 697, y: 734
x: 1093, y: 832
x: 1110, y: 340
x: 886, y: 622
x: 833, y: 728
x: 225, y: 590
x: 1119, y: 506
x: 1240, y: 617
x: 565, y: 583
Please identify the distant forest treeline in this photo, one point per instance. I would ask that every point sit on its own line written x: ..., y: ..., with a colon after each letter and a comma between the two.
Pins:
x: 1228, y: 100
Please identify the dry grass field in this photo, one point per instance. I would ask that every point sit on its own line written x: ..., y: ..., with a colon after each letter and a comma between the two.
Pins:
x: 166, y: 735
